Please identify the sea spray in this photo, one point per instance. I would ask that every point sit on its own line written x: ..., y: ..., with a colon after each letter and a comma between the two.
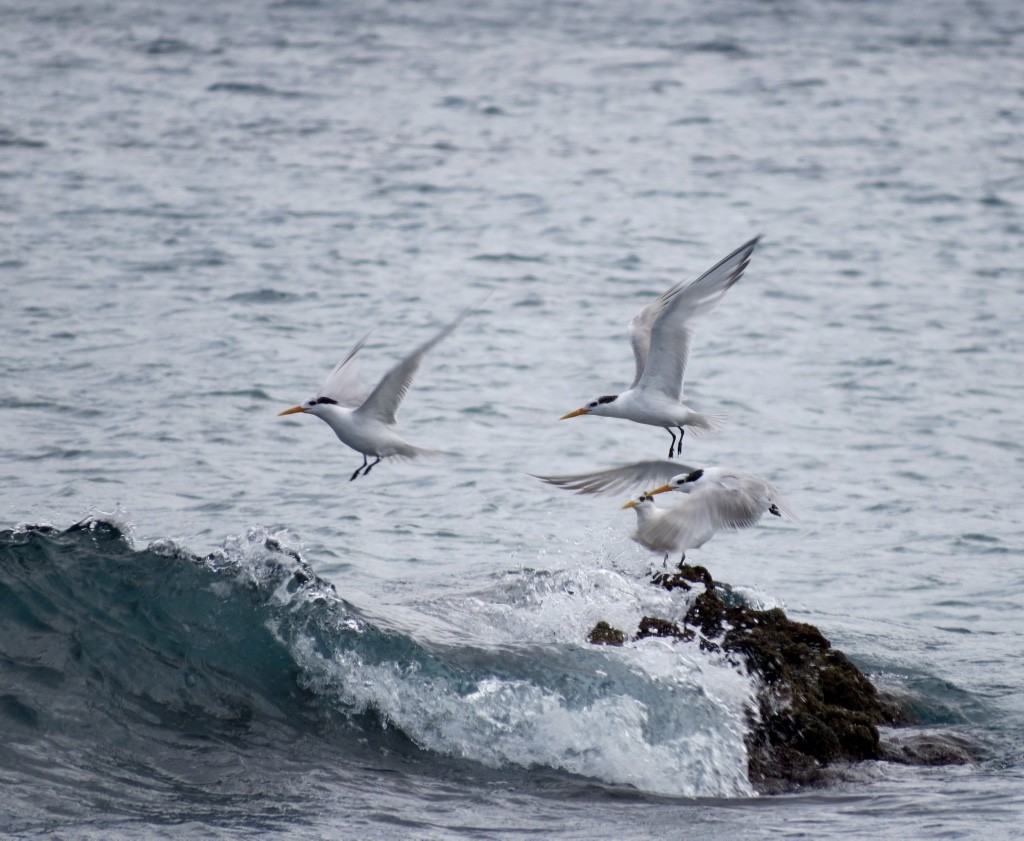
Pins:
x: 249, y: 633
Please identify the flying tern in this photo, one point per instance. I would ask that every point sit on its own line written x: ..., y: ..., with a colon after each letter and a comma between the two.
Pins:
x: 366, y: 423
x: 661, y: 335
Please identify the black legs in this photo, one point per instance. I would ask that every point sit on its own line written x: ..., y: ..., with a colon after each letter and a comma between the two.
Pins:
x: 673, y: 449
x: 365, y: 468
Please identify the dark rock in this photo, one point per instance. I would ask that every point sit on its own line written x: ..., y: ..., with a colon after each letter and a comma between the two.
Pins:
x: 706, y: 613
x: 927, y: 747
x: 604, y: 634
x: 814, y: 707
x: 651, y: 627
x: 843, y: 685
x: 897, y: 711
x: 685, y: 575
x: 783, y: 770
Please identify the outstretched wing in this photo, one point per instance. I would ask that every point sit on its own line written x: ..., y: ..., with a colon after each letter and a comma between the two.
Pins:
x: 760, y: 492
x: 640, y: 334
x: 342, y: 383
x: 693, y: 521
x: 618, y: 480
x: 385, y: 399
x: 669, y: 324
x: 771, y: 496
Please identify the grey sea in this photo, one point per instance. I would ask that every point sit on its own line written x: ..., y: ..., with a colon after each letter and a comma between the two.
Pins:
x: 208, y: 630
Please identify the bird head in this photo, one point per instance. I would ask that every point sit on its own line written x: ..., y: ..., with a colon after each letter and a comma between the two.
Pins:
x: 594, y: 407
x: 313, y: 406
x: 640, y: 502
x: 683, y: 482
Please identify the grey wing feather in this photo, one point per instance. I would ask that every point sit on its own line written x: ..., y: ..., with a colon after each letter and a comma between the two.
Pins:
x: 684, y: 526
x: 640, y: 334
x: 617, y: 480
x: 752, y: 487
x: 385, y: 399
x: 342, y: 383
x: 670, y: 332
x: 730, y: 508
x: 777, y: 499
x: 693, y: 521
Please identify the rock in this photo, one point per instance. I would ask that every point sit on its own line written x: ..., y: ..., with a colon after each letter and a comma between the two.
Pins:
x: 651, y: 627
x: 814, y: 707
x: 683, y: 577
x: 604, y: 634
x: 918, y: 746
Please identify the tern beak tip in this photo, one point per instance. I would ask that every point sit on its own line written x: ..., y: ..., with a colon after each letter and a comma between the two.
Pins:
x: 575, y: 414
x: 630, y: 504
x: 292, y: 410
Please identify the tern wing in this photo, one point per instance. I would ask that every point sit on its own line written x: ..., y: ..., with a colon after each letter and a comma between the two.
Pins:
x: 693, y: 521
x: 385, y: 399
x: 640, y: 334
x: 759, y: 491
x: 670, y: 328
x: 342, y: 384
x: 769, y: 495
x: 617, y: 480
x: 683, y: 526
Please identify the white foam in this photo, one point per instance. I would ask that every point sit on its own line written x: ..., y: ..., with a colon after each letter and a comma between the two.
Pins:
x: 655, y: 714
x: 686, y: 742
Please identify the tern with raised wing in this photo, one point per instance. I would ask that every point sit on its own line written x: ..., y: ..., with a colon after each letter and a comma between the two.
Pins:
x: 366, y: 423
x: 717, y: 498
x: 661, y: 335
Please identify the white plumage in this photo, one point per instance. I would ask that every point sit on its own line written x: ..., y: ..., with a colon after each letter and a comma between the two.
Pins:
x: 717, y: 498
x: 366, y: 422
x: 661, y: 335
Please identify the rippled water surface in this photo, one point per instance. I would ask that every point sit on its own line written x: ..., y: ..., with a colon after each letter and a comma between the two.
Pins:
x: 204, y: 205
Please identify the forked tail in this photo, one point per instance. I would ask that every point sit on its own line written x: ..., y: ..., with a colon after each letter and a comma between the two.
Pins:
x: 698, y: 424
x: 410, y: 451
x: 785, y: 509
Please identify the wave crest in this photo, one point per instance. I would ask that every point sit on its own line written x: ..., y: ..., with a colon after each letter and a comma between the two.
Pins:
x: 250, y: 635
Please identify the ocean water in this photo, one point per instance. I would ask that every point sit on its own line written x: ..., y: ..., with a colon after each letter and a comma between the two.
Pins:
x: 208, y: 630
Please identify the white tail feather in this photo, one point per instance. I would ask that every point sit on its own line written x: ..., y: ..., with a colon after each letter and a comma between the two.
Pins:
x: 699, y: 425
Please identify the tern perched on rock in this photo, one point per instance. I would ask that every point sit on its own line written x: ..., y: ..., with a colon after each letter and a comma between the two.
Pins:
x: 717, y: 498
x: 661, y: 335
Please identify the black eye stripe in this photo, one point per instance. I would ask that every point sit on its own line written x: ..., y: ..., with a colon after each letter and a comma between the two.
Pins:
x: 693, y: 477
x: 323, y: 400
x: 608, y: 398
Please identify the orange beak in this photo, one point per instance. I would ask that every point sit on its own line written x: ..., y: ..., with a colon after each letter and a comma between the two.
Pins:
x: 292, y: 410
x: 575, y: 414
x: 630, y: 504
x: 661, y: 490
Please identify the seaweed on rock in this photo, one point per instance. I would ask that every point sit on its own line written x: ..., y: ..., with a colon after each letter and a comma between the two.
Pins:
x: 814, y: 707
